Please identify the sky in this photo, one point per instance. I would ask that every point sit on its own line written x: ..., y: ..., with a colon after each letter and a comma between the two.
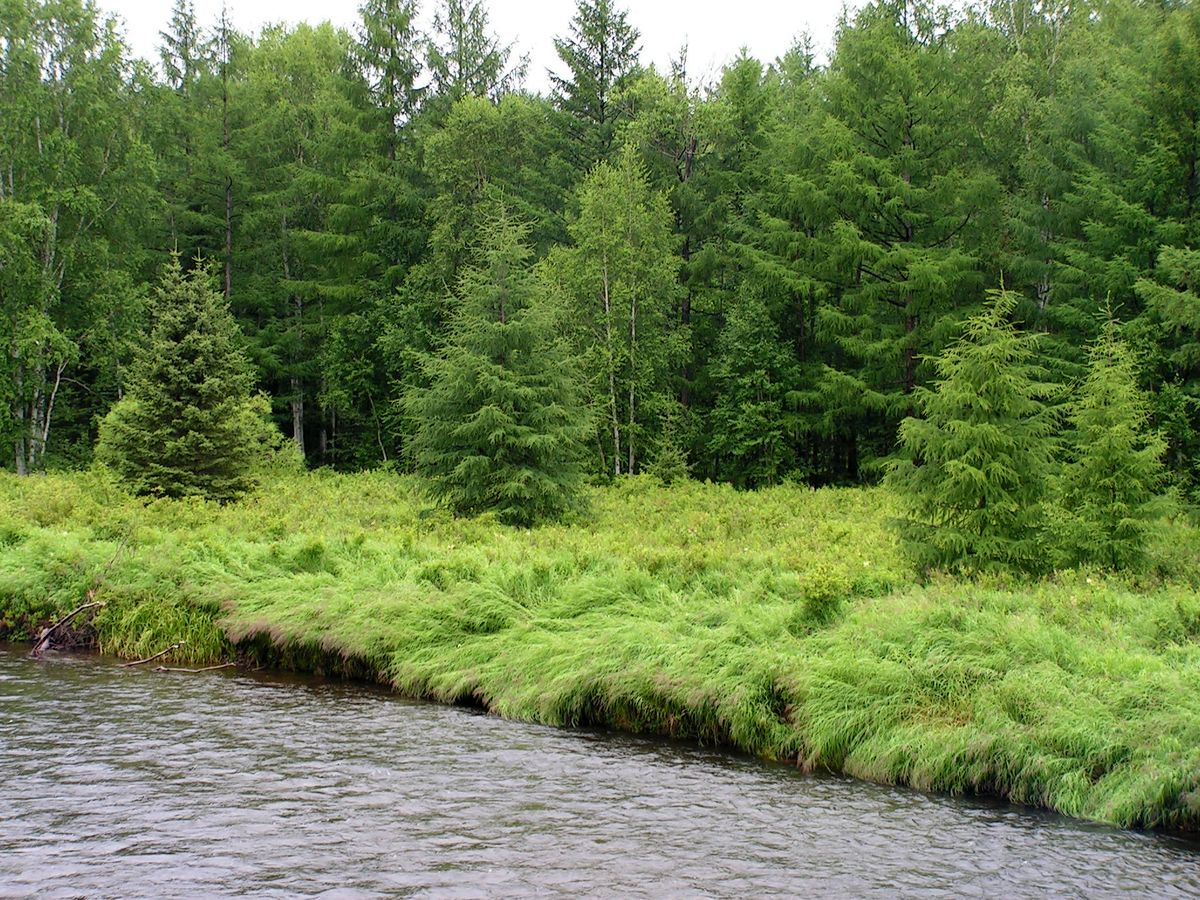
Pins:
x: 714, y: 30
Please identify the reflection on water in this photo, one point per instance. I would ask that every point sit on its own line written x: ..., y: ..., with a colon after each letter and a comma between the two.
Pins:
x: 125, y: 783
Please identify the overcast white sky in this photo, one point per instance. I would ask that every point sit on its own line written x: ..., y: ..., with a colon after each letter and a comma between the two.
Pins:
x: 713, y: 29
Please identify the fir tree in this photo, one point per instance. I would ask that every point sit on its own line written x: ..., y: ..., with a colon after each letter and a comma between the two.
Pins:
x: 975, y: 467
x: 1171, y: 331
x: 465, y: 58
x: 501, y: 424
x: 188, y: 424
x: 1112, y: 488
x: 601, y: 56
x: 751, y: 426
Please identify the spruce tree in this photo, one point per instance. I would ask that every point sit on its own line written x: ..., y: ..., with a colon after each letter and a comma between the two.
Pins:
x: 188, y: 424
x: 1112, y: 489
x: 500, y: 426
x: 752, y: 422
x: 601, y: 56
x: 975, y: 467
x: 465, y: 58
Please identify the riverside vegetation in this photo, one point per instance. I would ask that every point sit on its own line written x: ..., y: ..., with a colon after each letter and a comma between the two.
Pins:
x: 784, y: 623
x: 949, y: 541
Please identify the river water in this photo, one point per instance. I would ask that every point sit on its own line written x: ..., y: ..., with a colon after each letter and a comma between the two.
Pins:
x: 130, y: 783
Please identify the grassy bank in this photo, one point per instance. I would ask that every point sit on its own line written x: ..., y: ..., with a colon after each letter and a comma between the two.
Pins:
x: 782, y: 622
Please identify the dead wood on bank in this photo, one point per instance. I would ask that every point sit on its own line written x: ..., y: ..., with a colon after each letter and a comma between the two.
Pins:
x: 45, y: 640
x: 195, y: 671
x: 149, y: 659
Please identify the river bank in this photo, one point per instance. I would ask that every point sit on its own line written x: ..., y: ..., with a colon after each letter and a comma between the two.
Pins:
x: 129, y: 783
x: 782, y: 623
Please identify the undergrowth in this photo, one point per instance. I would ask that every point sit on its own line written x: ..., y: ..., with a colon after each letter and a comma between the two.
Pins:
x: 781, y: 622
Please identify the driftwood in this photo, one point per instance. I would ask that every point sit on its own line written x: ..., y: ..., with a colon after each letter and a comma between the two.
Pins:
x: 194, y: 671
x: 45, y: 638
x: 149, y: 659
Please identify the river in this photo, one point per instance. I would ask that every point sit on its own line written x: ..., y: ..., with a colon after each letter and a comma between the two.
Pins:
x: 130, y: 783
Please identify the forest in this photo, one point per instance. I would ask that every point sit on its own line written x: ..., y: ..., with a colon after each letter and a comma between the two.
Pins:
x: 750, y: 279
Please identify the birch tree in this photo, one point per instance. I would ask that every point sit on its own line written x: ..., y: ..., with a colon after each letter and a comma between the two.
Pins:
x: 74, y: 182
x: 620, y: 284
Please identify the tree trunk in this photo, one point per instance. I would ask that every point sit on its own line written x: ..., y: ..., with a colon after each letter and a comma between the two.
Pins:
x: 41, y: 412
x: 297, y: 404
x: 685, y: 319
x: 1044, y: 283
x: 612, y: 375
x: 910, y: 353
x: 297, y: 400
x: 632, y: 375
x: 228, y: 252
x: 19, y: 415
x: 378, y: 427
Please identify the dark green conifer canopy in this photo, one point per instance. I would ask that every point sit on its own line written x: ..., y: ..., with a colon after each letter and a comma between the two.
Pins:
x: 976, y: 462
x: 500, y: 426
x: 188, y: 424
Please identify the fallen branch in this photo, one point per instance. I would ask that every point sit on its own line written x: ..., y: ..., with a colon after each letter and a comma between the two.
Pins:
x: 43, y: 641
x: 149, y: 659
x: 194, y: 671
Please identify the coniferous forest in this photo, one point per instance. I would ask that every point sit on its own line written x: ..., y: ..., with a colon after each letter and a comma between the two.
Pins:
x: 751, y: 279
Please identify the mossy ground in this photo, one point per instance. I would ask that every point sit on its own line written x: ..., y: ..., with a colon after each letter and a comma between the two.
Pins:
x: 782, y: 622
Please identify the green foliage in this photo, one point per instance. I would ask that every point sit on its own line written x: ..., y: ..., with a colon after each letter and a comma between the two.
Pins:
x: 670, y: 463
x: 1112, y: 488
x: 909, y: 205
x: 464, y: 58
x: 76, y: 205
x: 780, y: 622
x: 773, y: 255
x: 308, y: 214
x: 976, y: 466
x: 500, y: 426
x: 1170, y: 328
x: 388, y: 51
x: 601, y: 56
x: 481, y: 149
x: 758, y: 276
x: 188, y: 424
x: 1098, y: 216
x: 137, y: 625
x: 34, y: 343
x: 751, y: 424
x: 616, y: 289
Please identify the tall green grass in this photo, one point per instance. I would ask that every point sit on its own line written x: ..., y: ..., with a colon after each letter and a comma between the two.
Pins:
x: 782, y: 622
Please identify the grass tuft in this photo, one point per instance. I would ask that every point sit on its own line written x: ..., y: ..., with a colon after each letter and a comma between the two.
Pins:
x: 782, y: 622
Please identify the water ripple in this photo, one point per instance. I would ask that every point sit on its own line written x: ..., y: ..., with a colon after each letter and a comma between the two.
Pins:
x: 126, y: 783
